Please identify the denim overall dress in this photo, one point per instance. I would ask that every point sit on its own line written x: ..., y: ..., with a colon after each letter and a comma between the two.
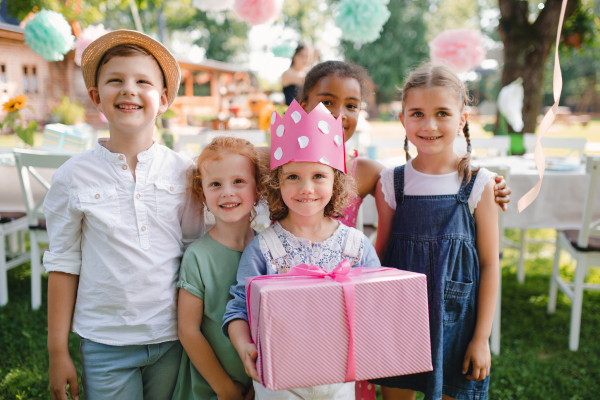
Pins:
x: 435, y: 236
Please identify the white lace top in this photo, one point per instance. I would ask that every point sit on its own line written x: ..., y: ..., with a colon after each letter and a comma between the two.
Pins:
x: 419, y: 184
x: 326, y: 254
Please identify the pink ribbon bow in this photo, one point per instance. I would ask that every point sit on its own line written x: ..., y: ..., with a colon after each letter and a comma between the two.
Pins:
x: 341, y: 274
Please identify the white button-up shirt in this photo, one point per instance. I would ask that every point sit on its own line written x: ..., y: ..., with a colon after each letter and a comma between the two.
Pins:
x: 124, y: 238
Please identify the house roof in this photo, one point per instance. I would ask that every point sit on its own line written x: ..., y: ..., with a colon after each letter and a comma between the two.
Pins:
x: 209, y: 66
x: 10, y: 31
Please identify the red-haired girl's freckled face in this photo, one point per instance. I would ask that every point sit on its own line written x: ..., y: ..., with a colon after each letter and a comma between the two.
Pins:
x: 229, y: 187
x: 341, y: 95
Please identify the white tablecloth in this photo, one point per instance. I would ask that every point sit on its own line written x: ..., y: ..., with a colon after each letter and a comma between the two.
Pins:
x: 559, y: 204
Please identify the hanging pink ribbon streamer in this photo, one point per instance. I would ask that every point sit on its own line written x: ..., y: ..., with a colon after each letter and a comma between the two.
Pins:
x: 341, y: 274
x: 540, y: 160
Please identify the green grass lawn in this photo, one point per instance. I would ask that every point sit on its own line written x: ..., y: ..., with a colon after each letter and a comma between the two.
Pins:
x: 535, y: 362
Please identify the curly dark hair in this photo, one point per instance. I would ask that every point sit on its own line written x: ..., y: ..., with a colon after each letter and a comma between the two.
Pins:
x: 340, y: 69
x: 344, y: 192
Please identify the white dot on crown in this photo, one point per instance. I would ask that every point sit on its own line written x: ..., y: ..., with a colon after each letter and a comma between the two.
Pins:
x: 296, y: 116
x: 324, y: 127
x: 280, y: 130
x: 278, y: 153
x: 324, y: 160
x: 303, y: 140
x: 273, y: 116
x: 338, y: 140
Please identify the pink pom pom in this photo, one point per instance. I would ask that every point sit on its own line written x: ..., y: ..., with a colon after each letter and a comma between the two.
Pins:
x: 463, y: 48
x: 88, y: 35
x: 257, y: 12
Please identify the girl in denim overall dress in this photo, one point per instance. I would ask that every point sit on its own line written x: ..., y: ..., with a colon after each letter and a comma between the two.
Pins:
x: 437, y: 216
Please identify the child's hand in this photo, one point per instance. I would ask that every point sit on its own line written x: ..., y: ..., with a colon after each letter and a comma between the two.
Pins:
x: 478, y: 353
x: 501, y: 192
x: 249, y: 355
x: 236, y: 392
x: 63, y: 373
x: 250, y: 394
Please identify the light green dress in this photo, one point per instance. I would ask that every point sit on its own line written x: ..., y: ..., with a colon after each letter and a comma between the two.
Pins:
x: 208, y: 270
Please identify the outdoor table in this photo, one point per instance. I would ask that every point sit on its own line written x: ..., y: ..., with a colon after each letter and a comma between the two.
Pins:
x: 559, y: 204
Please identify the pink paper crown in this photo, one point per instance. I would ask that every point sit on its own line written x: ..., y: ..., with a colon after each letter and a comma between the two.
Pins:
x: 300, y: 137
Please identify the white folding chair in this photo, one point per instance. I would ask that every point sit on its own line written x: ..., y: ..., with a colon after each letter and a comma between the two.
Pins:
x: 12, y: 244
x: 495, y: 336
x: 567, y: 148
x: 27, y: 161
x: 494, y: 146
x: 584, y: 246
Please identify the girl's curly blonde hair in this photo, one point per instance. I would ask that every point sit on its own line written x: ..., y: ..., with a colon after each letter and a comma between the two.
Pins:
x: 344, y: 192
x: 216, y: 150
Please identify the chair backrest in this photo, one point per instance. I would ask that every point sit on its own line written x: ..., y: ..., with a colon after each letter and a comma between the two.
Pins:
x: 566, y: 145
x: 27, y: 161
x: 500, y: 145
x: 589, y: 227
x: 504, y: 171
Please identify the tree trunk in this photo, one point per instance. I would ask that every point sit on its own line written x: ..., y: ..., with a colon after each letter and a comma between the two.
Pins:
x: 526, y: 49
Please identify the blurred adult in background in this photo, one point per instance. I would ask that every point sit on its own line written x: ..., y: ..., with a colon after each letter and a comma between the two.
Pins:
x: 293, y: 79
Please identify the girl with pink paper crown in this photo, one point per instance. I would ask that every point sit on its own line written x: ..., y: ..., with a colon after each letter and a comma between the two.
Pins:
x: 437, y: 216
x: 342, y: 87
x: 306, y: 188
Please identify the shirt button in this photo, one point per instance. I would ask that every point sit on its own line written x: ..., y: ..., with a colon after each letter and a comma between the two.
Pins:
x: 97, y: 196
x: 138, y: 196
x: 143, y: 228
x: 171, y: 188
x: 124, y: 166
x: 121, y: 158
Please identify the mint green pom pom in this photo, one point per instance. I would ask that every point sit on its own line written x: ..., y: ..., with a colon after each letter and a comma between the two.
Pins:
x: 49, y: 35
x: 361, y: 21
x: 284, y: 50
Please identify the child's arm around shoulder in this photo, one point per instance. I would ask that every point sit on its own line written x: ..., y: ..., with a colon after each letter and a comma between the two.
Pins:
x: 385, y: 213
x: 486, y: 221
x: 63, y: 263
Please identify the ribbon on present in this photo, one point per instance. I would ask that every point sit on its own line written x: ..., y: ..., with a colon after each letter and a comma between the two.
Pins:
x: 342, y: 274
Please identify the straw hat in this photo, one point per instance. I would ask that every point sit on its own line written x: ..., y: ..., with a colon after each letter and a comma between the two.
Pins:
x: 95, y: 51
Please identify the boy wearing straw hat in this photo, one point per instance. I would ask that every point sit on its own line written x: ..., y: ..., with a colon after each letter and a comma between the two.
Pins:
x: 119, y: 221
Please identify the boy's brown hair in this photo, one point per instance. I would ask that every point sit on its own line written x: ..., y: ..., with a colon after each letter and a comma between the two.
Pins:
x: 344, y: 192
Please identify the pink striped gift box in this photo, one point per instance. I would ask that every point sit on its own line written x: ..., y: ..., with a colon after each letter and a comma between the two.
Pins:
x: 300, y: 327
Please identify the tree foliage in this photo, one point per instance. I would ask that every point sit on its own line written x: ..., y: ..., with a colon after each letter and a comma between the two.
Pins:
x: 401, y: 47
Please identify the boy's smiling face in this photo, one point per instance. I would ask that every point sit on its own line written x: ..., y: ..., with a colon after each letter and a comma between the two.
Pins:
x: 130, y: 93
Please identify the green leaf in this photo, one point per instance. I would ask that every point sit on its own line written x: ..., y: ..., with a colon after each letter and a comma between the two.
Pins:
x: 26, y: 134
x: 31, y: 108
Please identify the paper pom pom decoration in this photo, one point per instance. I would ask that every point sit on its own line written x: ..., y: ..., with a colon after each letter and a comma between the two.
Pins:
x: 284, y: 50
x: 88, y: 35
x: 361, y: 21
x: 463, y: 48
x: 49, y: 35
x: 213, y: 5
x: 256, y: 12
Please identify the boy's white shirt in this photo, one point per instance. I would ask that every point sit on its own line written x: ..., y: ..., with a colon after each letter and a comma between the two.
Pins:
x: 124, y: 238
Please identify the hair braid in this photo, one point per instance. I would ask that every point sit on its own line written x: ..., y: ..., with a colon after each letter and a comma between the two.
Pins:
x: 408, y: 157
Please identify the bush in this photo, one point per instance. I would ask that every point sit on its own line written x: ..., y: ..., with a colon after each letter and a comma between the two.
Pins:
x: 68, y: 113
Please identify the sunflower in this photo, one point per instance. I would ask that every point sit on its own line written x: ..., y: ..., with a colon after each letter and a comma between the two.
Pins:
x: 15, y: 104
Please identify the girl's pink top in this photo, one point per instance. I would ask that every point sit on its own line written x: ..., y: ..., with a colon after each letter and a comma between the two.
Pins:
x: 351, y: 212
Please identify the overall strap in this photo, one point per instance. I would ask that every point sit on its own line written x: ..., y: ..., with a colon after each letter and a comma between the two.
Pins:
x: 465, y: 191
x: 273, y: 243
x: 354, y: 239
x: 399, y: 184
x: 355, y: 162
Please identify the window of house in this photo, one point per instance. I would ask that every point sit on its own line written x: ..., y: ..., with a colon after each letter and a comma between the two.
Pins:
x: 3, y: 78
x: 25, y: 81
x: 34, y: 80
